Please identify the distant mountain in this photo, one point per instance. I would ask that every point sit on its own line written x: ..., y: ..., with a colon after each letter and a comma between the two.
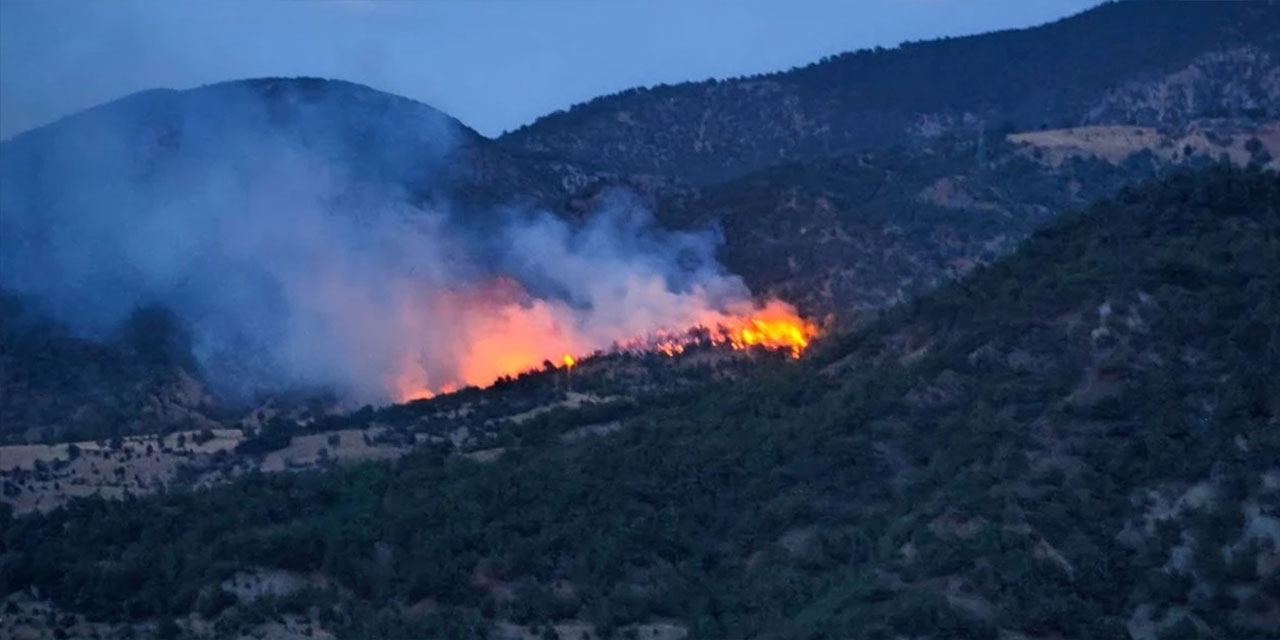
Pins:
x: 1148, y: 63
x: 361, y: 134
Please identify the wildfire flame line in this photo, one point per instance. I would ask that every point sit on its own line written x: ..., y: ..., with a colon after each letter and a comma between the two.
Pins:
x: 791, y: 335
x: 775, y: 326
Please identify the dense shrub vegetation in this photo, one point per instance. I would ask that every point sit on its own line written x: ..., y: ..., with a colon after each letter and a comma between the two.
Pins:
x: 985, y: 458
x: 1056, y: 75
x: 58, y: 386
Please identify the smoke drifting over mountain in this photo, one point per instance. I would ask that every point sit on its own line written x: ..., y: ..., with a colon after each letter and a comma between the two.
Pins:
x: 277, y: 225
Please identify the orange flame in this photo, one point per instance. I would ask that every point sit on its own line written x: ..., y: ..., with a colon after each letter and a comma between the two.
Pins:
x: 499, y: 330
x: 776, y: 325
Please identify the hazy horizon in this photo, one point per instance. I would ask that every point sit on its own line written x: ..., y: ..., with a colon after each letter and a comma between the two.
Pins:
x: 493, y: 65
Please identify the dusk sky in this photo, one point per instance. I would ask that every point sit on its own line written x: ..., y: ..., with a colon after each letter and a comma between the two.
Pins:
x: 493, y: 64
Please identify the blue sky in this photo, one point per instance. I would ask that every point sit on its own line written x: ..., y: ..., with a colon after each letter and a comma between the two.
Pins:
x: 494, y: 64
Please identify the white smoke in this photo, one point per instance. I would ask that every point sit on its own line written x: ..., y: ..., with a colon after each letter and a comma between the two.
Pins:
x: 295, y: 262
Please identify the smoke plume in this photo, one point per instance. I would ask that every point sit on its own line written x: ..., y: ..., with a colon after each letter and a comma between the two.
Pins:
x: 280, y: 231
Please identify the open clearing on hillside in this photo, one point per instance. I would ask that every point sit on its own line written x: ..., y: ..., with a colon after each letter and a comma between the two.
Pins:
x: 1115, y: 143
x: 42, y: 477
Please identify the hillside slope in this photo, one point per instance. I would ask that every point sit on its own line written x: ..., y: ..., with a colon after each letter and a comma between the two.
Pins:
x: 56, y: 386
x: 1155, y: 63
x: 847, y: 234
x: 1076, y: 441
x: 835, y: 232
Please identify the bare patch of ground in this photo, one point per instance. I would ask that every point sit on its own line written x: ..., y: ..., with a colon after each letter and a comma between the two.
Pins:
x: 600, y: 429
x: 485, y: 455
x: 26, y: 617
x: 39, y: 477
x: 572, y: 400
x: 578, y: 630
x: 42, y: 477
x: 1115, y: 143
x: 952, y: 192
x: 347, y: 445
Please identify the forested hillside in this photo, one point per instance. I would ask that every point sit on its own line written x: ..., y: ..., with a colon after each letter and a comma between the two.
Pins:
x: 1156, y: 63
x: 1078, y: 440
x: 837, y: 232
x: 1045, y: 402
x: 853, y: 233
x: 61, y: 387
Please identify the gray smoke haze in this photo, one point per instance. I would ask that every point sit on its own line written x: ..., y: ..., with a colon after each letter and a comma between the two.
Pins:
x: 276, y: 224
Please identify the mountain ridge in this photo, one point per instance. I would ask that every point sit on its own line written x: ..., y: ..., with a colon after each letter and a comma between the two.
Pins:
x: 860, y: 99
